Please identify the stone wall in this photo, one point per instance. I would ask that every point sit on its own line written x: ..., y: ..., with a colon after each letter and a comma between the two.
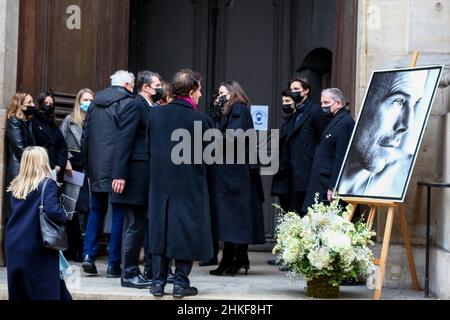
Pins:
x: 388, y: 33
x: 9, y: 34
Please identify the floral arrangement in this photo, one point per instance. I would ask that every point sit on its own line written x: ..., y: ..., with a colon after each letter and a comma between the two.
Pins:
x: 324, y: 244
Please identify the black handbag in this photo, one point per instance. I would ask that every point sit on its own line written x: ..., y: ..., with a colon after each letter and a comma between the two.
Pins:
x: 54, y: 236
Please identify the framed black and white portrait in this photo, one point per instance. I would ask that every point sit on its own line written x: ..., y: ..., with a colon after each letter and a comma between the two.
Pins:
x: 387, y: 136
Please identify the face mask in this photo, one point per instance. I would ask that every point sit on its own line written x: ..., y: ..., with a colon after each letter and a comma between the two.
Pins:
x: 84, y: 106
x: 47, y: 110
x: 31, y: 111
x: 287, y: 108
x: 158, y: 95
x: 222, y: 100
x: 327, y: 109
x: 297, y: 97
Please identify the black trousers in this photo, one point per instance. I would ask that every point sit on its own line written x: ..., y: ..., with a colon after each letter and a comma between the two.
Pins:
x: 297, y: 199
x: 285, y: 202
x: 134, y: 229
x: 160, y: 271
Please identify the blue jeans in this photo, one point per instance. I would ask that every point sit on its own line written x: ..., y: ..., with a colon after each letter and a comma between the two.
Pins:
x: 99, y: 208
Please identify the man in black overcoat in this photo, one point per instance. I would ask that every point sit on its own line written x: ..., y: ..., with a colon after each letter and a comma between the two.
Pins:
x: 332, y: 148
x: 179, y: 201
x: 131, y: 175
x: 305, y: 136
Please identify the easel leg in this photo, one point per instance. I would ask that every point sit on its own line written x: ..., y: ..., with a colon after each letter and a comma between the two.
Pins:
x: 384, y: 253
x: 371, y: 217
x: 354, y: 206
x: 406, y: 239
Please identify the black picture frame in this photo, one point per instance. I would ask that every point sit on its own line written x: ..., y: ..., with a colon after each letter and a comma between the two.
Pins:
x: 387, y: 136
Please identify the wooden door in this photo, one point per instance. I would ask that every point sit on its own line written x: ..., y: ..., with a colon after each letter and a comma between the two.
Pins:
x: 67, y: 45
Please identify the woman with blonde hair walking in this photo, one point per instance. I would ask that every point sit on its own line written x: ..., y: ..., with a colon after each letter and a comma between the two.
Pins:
x: 33, y: 269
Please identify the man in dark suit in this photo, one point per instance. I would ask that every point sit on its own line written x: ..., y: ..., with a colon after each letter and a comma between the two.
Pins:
x: 332, y: 148
x: 131, y: 174
x: 309, y: 122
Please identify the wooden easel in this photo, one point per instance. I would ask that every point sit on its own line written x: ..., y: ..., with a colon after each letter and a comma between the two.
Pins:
x: 381, y: 262
x: 374, y: 204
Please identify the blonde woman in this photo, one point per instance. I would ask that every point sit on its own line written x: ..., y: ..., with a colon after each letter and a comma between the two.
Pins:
x: 77, y: 199
x: 33, y: 270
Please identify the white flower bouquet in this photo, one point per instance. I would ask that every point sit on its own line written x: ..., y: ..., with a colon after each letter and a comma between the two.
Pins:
x: 324, y: 244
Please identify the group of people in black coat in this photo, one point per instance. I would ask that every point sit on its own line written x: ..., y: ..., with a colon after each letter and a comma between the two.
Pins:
x: 178, y: 209
x: 180, y: 206
x: 313, y: 142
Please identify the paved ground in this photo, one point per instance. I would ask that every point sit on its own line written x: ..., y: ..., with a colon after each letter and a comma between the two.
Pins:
x: 264, y: 282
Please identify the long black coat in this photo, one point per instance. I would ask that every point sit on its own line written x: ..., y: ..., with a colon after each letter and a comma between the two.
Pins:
x: 100, y: 135
x: 238, y: 193
x: 132, y: 156
x: 303, y: 142
x: 47, y: 135
x: 179, y: 196
x: 280, y: 182
x: 329, y: 157
x: 19, y: 136
x: 33, y: 270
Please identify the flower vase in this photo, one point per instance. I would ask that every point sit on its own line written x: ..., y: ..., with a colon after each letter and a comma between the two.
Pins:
x: 320, y: 287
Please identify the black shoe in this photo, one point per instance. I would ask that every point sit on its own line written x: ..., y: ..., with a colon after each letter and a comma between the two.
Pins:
x: 113, y: 272
x: 285, y: 268
x: 137, y: 282
x: 273, y: 262
x: 88, y: 265
x: 180, y: 292
x: 147, y: 275
x: 223, y: 268
x: 238, y: 266
x: 171, y: 278
x: 157, y: 290
x: 211, y: 262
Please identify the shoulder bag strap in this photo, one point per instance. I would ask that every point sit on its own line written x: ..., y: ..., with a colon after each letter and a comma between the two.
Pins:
x: 41, y: 207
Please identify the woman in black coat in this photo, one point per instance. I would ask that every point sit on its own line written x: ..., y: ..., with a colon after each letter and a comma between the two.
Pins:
x: 280, y: 182
x: 47, y: 134
x: 18, y: 130
x: 18, y: 133
x: 33, y: 270
x: 238, y: 194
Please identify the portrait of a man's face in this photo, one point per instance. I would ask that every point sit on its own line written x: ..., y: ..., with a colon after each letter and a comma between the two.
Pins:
x: 388, y: 133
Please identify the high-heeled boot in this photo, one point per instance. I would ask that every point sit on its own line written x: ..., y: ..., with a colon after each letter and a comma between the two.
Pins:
x: 241, y: 261
x: 227, y: 263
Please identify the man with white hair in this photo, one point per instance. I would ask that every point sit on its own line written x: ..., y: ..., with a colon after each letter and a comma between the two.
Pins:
x: 98, y: 146
x: 332, y: 148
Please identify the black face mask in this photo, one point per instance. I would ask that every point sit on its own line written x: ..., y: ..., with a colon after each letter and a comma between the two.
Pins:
x: 327, y: 110
x: 222, y: 100
x: 287, y: 108
x: 297, y: 97
x: 158, y: 95
x: 47, y: 110
x: 31, y: 111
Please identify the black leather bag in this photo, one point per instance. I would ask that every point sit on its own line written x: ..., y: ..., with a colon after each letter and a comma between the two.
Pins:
x: 54, y: 236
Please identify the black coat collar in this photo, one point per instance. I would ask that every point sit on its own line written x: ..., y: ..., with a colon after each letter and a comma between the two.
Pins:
x: 337, y: 117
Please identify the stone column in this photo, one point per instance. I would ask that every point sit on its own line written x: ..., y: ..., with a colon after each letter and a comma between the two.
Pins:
x: 9, y: 35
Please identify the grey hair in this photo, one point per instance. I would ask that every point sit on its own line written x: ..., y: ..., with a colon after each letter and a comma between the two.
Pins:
x: 336, y: 94
x: 119, y: 78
